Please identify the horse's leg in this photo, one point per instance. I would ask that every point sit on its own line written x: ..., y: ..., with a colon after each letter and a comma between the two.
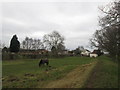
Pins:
x: 47, y: 63
x: 39, y: 64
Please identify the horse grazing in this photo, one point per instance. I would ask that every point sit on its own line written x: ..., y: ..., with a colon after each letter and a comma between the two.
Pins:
x: 43, y: 61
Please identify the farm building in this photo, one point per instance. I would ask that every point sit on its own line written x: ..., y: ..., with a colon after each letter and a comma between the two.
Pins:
x: 96, y: 53
x: 93, y: 55
x: 85, y: 52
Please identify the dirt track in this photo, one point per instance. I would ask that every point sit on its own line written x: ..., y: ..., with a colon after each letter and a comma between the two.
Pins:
x: 74, y: 79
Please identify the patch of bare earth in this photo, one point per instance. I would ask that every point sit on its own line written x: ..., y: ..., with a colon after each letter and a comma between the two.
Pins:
x: 74, y: 79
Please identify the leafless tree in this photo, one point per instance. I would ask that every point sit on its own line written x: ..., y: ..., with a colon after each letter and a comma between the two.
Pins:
x: 108, y: 37
x: 30, y: 43
x: 53, y: 40
x: 37, y: 44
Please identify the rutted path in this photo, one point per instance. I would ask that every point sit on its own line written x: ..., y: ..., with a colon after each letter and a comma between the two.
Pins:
x: 74, y: 79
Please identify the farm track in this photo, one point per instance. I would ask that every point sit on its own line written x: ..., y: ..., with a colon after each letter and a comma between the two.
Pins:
x: 93, y: 75
x: 74, y: 79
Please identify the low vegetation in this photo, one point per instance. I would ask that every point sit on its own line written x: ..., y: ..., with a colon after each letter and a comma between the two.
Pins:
x: 69, y: 72
x: 26, y: 73
x: 104, y: 75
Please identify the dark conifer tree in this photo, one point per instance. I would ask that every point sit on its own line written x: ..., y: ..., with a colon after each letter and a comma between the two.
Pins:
x: 14, y: 44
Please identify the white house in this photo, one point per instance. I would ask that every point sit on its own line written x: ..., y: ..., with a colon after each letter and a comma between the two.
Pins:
x: 106, y: 53
x: 85, y: 52
x: 93, y: 55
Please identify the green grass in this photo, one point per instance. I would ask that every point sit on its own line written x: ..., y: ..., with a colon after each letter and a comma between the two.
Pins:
x: 31, y: 66
x: 27, y: 74
x: 14, y: 71
x: 104, y: 75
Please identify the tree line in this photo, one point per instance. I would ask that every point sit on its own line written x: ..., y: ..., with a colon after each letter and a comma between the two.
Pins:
x: 31, y: 44
x: 53, y: 41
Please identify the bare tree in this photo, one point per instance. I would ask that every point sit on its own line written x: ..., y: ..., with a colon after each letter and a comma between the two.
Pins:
x: 30, y: 43
x: 25, y: 43
x: 53, y: 40
x: 108, y: 37
x: 37, y: 44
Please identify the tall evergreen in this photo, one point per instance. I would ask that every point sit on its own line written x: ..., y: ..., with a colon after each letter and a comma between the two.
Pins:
x: 14, y: 44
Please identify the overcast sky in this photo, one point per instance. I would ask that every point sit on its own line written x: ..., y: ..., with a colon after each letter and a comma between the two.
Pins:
x: 76, y: 21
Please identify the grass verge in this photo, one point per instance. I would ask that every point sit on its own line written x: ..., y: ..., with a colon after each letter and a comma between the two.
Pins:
x: 104, y: 75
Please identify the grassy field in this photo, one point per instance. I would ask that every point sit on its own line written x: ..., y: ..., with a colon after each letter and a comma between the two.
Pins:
x: 104, y: 74
x: 69, y: 72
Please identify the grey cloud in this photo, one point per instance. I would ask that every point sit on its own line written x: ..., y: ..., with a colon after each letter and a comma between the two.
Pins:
x: 76, y: 21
